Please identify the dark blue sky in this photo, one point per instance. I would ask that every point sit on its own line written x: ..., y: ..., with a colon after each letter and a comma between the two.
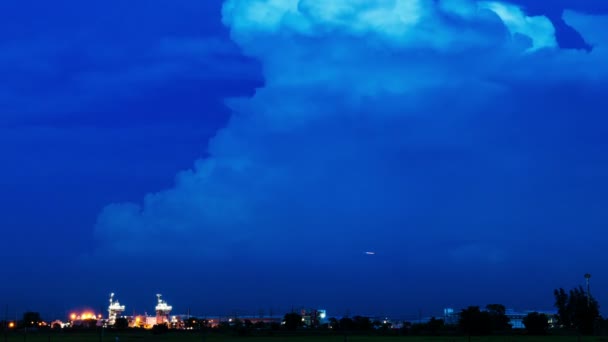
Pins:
x: 137, y: 156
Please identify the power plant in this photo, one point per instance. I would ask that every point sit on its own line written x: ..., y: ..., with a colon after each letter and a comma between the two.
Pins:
x: 89, y: 319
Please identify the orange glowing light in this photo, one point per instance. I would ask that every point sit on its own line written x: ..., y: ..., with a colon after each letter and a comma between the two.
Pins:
x: 73, y: 316
x: 11, y: 325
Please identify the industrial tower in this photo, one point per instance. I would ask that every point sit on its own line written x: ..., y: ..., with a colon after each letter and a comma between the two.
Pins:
x: 162, y: 310
x: 114, y: 310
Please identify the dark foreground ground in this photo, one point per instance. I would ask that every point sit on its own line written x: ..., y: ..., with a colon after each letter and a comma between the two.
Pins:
x: 144, y: 337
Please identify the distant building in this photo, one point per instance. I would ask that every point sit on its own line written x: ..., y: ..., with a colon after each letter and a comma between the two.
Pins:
x: 314, y: 318
x: 450, y: 317
x: 516, y: 318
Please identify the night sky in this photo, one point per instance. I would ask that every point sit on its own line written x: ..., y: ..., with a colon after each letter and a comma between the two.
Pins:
x: 244, y: 155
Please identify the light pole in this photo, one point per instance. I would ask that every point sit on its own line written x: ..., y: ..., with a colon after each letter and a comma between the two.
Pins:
x: 587, y: 277
x: 6, y: 323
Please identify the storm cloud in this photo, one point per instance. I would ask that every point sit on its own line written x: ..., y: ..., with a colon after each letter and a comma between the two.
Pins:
x: 440, y: 134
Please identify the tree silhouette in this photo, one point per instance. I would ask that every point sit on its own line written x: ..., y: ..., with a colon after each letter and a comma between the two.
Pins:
x: 500, y: 321
x: 474, y: 321
x: 292, y: 321
x: 121, y: 323
x: 362, y: 323
x: 576, y: 310
x: 561, y: 303
x: 536, y: 323
x: 160, y: 329
x: 435, y: 325
x: 346, y: 324
x: 334, y: 323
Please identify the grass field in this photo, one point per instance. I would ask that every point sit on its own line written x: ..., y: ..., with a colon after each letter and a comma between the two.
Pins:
x: 143, y: 337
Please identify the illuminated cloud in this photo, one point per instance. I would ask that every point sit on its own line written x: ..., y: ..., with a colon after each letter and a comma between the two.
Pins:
x: 464, y: 8
x: 414, y: 24
x: 379, y: 122
x: 539, y: 29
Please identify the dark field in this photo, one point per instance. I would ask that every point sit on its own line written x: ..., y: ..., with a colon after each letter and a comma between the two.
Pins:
x: 135, y: 337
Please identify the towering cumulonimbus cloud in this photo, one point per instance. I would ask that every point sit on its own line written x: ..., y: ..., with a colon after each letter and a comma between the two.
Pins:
x: 424, y: 130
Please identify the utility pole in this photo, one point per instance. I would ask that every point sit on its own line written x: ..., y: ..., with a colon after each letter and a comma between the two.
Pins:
x: 587, y: 277
x: 6, y: 323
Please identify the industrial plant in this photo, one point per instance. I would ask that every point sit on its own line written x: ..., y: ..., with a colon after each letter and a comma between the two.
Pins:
x: 116, y: 312
x: 310, y: 318
x: 162, y: 310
